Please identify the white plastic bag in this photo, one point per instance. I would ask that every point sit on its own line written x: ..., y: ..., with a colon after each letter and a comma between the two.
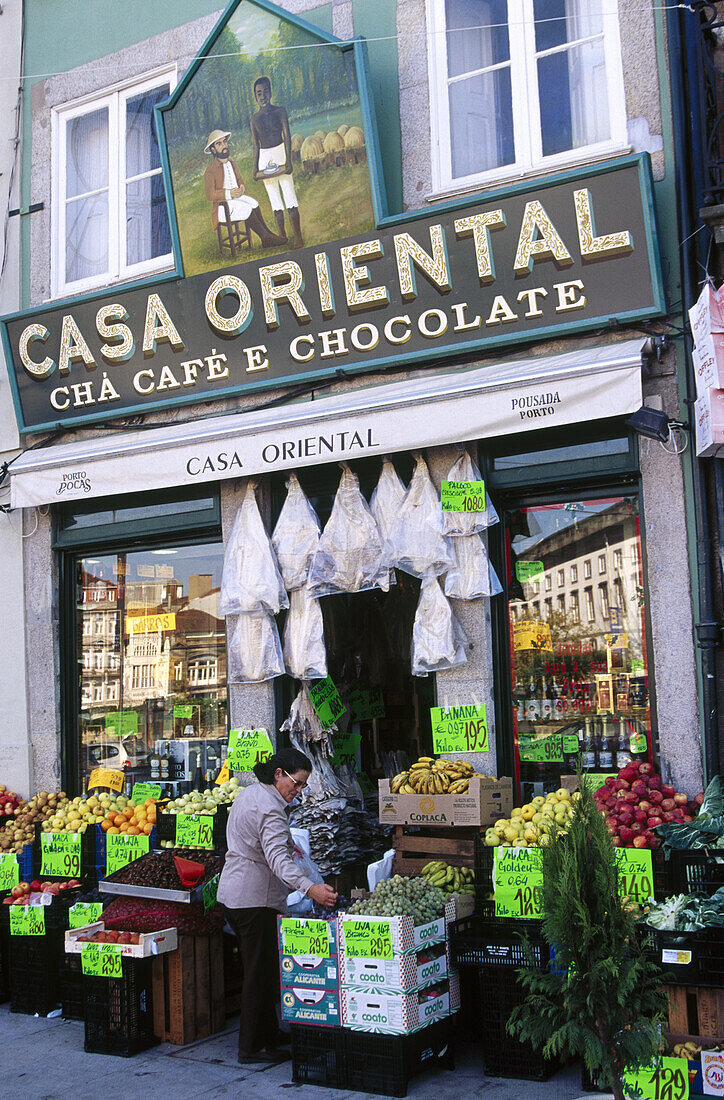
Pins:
x: 305, y: 656
x: 381, y: 870
x: 349, y: 554
x: 458, y: 524
x: 251, y: 583
x: 438, y: 641
x: 255, y: 652
x: 416, y: 542
x: 296, y: 536
x: 298, y: 903
x: 472, y: 575
x: 387, y: 498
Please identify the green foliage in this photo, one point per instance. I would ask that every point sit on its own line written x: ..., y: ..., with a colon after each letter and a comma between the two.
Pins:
x: 606, y: 1006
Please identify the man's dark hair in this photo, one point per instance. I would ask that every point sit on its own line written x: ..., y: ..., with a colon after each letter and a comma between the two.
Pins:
x: 262, y: 80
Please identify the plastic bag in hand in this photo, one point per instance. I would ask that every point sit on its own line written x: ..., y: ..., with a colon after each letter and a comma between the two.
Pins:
x: 458, y: 524
x: 438, y: 641
x: 295, y: 536
x: 387, y: 498
x: 349, y: 554
x: 472, y: 576
x: 255, y: 652
x: 416, y: 542
x: 305, y: 656
x: 251, y: 583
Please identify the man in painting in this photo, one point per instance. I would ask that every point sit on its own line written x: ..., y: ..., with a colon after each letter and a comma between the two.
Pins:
x: 223, y: 183
x: 273, y: 158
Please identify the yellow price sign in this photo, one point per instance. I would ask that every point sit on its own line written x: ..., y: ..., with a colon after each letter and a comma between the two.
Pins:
x: 531, y: 634
x: 150, y: 624
x: 105, y: 777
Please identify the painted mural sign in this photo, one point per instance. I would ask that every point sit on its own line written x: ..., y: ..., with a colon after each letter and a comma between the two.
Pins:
x: 289, y: 267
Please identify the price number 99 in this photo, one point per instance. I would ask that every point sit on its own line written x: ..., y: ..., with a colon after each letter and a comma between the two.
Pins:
x: 71, y: 863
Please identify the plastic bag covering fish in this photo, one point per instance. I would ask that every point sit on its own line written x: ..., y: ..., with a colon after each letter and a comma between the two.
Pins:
x: 303, y: 724
x: 255, y: 652
x: 349, y: 554
x: 305, y: 657
x: 387, y: 498
x: 472, y: 575
x: 251, y: 583
x: 438, y: 641
x: 416, y: 542
x: 468, y: 523
x: 296, y: 536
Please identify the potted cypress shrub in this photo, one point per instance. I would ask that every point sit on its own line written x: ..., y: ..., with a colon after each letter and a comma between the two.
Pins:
x: 604, y: 1004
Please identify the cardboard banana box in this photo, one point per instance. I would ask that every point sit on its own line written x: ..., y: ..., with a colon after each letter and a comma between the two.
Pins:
x: 485, y: 801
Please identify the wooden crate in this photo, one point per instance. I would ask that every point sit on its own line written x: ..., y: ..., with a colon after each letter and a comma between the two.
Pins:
x: 414, y: 849
x: 188, y: 990
x: 696, y: 1010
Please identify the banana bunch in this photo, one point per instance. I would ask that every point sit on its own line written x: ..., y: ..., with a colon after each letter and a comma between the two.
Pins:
x: 687, y: 1050
x: 430, y: 776
x: 450, y: 880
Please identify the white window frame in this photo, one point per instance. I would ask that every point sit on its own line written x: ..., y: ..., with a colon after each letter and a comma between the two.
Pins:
x: 529, y: 159
x: 114, y: 98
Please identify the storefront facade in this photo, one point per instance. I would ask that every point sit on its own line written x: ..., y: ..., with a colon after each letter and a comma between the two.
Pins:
x: 487, y: 294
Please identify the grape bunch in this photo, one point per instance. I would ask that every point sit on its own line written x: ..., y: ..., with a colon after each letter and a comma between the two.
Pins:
x: 402, y: 897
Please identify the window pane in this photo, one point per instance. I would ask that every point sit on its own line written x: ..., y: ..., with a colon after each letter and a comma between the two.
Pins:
x: 86, y: 167
x: 563, y: 454
x: 561, y: 21
x: 573, y: 98
x: 147, y: 229
x: 481, y: 123
x: 142, y: 153
x: 86, y: 237
x: 477, y: 34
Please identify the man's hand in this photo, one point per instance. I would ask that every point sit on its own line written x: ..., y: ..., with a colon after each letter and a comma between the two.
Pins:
x: 322, y: 894
x: 237, y: 192
x: 287, y: 170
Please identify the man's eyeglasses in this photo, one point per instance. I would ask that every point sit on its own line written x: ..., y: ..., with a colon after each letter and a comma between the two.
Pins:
x: 297, y: 784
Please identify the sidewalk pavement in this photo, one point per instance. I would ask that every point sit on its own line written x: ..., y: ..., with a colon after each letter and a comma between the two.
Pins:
x: 44, y: 1058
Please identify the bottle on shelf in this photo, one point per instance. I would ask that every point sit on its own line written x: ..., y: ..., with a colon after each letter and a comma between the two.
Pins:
x: 607, y: 749
x: 623, y: 746
x: 155, y: 762
x: 532, y: 702
x: 589, y: 749
x: 164, y: 762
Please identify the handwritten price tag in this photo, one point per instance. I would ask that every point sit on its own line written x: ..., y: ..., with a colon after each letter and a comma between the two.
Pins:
x: 27, y: 920
x: 195, y: 830
x: 122, y: 849
x: 142, y: 791
x: 326, y: 701
x: 635, y: 873
x: 84, y: 912
x: 528, y: 570
x: 518, y: 881
x: 366, y: 939
x: 459, y: 729
x: 668, y: 1081
x: 104, y: 777
x: 101, y: 960
x: 531, y: 634
x: 60, y: 855
x: 247, y: 748
x: 345, y: 749
x: 9, y: 871
x: 545, y: 748
x: 209, y: 893
x: 462, y: 496
x: 366, y: 704
x: 305, y: 937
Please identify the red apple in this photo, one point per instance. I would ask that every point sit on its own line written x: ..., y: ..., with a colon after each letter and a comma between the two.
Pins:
x: 656, y: 797
x: 631, y: 798
x: 625, y: 836
x: 628, y: 774
x: 625, y: 819
x: 652, y: 822
x: 34, y: 885
x: 640, y: 815
x: 668, y: 804
x: 644, y: 805
x: 668, y: 816
x: 667, y: 790
x: 677, y: 814
x: 17, y: 891
x: 616, y: 842
x: 645, y: 768
x: 639, y: 787
x: 655, y: 842
x: 621, y: 785
x: 611, y: 823
x: 699, y: 798
x: 637, y: 828
x: 641, y: 842
x: 654, y: 782
x: 610, y: 781
x: 635, y: 764
x: 681, y: 799
x: 688, y: 817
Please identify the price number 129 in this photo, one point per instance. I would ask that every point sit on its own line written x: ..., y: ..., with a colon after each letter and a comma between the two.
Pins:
x: 669, y: 1084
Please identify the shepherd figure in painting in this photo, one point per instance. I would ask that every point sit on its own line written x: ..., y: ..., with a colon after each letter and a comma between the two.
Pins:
x: 273, y: 158
x: 223, y: 183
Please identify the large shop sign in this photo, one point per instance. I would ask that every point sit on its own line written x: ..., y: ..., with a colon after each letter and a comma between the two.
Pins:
x: 568, y: 254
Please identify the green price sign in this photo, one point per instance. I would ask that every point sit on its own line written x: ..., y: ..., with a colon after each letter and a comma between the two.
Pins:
x: 247, y: 748
x: 518, y: 881
x: 209, y: 892
x: 195, y: 830
x: 326, y: 701
x: 638, y: 742
x: 9, y: 870
x: 569, y: 742
x: 543, y: 749
x: 142, y: 791
x: 462, y: 496
x: 305, y: 937
x: 366, y: 704
x: 184, y: 710
x: 60, y: 855
x: 101, y: 960
x: 667, y: 1081
x: 345, y: 749
x: 459, y: 729
x: 122, y: 722
x: 122, y: 849
x: 366, y: 939
x: 84, y: 912
x: 528, y: 570
x: 27, y: 920
x: 594, y: 780
x: 635, y: 874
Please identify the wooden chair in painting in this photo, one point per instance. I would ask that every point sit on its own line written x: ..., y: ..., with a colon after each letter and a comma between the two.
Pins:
x: 232, y: 235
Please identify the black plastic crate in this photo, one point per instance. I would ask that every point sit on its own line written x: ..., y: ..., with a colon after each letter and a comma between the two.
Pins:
x: 697, y: 872
x: 34, y: 965
x: 483, y: 856
x: 485, y: 941
x: 385, y: 1064
x: 166, y: 825
x: 118, y: 1012
x: 503, y: 1055
x: 318, y: 1056
x: 687, y: 958
x: 70, y: 982
x: 4, y: 964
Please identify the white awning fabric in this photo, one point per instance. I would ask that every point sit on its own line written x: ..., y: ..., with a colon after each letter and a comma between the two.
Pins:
x: 428, y: 410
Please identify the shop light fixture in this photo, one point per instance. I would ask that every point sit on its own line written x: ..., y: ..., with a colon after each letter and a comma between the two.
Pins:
x: 655, y: 424
x: 164, y: 551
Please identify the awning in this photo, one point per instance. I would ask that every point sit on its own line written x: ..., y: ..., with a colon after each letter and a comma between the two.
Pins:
x: 428, y: 410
